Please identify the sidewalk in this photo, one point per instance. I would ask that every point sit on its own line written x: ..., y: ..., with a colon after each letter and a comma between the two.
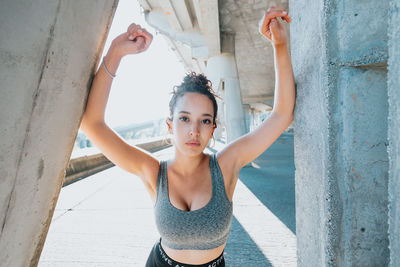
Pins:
x: 107, y: 219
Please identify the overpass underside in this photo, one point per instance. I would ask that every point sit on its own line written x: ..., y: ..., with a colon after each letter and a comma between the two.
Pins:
x: 346, y: 58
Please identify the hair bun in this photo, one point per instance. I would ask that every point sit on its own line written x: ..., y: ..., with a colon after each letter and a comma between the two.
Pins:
x: 197, y: 80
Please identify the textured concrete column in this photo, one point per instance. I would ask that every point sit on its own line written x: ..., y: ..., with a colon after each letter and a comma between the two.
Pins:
x: 253, y: 120
x: 394, y: 132
x: 223, y: 67
x: 222, y: 70
x: 49, y: 51
x: 220, y: 120
x: 248, y: 116
x: 339, y: 57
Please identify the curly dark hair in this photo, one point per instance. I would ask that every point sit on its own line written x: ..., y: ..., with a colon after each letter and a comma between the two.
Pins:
x: 194, y: 83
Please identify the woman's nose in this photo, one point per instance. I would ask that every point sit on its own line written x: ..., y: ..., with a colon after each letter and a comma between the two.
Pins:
x: 194, y: 129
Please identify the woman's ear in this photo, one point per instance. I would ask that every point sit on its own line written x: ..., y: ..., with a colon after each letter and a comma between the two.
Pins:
x: 169, y: 125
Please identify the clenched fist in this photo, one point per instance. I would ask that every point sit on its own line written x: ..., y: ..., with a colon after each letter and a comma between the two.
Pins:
x: 134, y: 41
x: 272, y: 28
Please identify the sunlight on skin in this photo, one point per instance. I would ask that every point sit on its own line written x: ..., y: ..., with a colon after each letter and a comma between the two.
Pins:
x: 274, y: 238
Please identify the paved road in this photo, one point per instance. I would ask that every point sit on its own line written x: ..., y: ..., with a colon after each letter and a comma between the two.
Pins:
x: 107, y: 219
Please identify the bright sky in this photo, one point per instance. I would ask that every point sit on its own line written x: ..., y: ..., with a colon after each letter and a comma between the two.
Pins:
x: 141, y: 90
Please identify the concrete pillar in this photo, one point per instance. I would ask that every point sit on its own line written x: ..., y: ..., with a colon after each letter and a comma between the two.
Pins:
x: 248, y: 116
x: 394, y: 133
x: 253, y: 119
x: 257, y: 119
x: 49, y: 51
x: 339, y: 52
x: 223, y: 68
x: 219, y: 132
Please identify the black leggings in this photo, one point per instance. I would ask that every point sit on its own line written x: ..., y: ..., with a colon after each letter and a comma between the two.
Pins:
x: 158, y: 258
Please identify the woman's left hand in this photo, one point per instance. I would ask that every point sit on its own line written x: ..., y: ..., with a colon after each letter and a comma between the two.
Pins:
x: 272, y: 28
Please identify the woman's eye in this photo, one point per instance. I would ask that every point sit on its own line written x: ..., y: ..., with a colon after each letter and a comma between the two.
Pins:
x: 184, y: 119
x: 206, y: 121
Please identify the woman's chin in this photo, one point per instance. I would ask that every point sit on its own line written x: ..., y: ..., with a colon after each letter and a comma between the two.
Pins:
x: 191, y: 150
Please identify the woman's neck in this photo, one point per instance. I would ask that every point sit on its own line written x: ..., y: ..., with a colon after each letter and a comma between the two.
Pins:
x: 187, y: 165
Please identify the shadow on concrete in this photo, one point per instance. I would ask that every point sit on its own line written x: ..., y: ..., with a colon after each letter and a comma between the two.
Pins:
x: 242, y: 251
x: 270, y: 178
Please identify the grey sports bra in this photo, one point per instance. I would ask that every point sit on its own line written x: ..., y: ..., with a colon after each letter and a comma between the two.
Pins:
x: 204, y: 228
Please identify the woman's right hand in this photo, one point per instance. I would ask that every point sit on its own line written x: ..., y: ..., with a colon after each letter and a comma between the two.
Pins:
x: 134, y: 41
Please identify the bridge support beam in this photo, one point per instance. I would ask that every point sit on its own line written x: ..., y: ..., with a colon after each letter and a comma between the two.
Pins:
x: 248, y: 114
x: 49, y: 52
x: 341, y: 122
x: 394, y: 133
x: 222, y: 71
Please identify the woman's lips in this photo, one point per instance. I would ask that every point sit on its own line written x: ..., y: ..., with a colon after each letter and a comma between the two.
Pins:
x: 193, y: 143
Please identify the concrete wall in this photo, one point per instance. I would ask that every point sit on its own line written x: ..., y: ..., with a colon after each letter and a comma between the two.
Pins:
x: 339, y: 56
x: 311, y: 134
x: 49, y: 51
x: 394, y: 133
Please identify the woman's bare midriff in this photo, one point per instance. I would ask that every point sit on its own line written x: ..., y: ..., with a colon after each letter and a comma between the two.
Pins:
x: 189, y: 256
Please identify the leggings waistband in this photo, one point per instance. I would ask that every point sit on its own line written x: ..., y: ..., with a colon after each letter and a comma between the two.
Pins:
x: 219, y: 261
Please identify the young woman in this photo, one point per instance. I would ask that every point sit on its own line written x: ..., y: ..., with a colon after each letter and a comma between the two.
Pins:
x: 192, y: 192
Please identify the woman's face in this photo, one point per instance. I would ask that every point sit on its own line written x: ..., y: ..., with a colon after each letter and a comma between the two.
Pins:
x: 192, y: 124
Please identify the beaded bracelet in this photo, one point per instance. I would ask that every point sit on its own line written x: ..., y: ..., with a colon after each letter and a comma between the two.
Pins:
x: 105, y: 68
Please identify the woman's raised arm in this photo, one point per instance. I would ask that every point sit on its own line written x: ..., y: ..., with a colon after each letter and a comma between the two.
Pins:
x: 250, y: 146
x: 130, y: 158
x: 134, y: 41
